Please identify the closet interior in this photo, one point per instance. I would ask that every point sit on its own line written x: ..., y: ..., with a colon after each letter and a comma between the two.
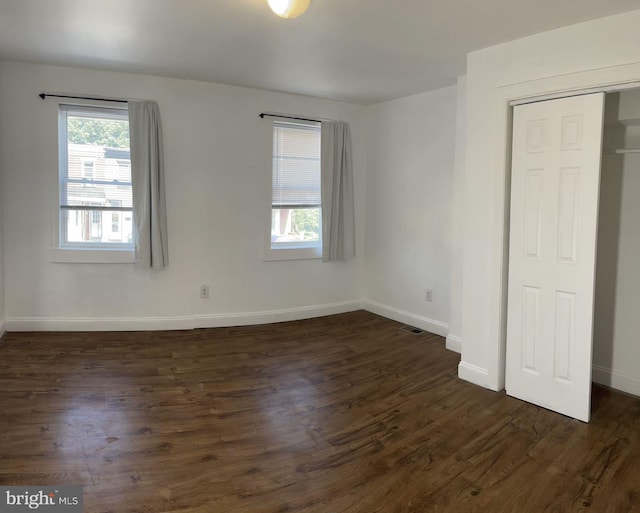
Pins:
x: 616, y: 336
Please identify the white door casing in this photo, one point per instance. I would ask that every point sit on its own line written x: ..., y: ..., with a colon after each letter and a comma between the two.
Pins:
x: 555, y: 181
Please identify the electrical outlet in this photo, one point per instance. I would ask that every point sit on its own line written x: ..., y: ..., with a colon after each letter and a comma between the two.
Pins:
x: 428, y: 295
x: 204, y: 292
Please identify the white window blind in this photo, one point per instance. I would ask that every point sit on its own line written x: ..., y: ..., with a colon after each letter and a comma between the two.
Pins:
x: 296, y: 165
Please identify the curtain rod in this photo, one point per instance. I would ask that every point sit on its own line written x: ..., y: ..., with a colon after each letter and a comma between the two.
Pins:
x: 45, y: 95
x: 263, y: 114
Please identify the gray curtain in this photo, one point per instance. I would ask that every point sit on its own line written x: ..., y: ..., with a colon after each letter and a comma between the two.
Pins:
x: 147, y: 181
x: 338, y: 219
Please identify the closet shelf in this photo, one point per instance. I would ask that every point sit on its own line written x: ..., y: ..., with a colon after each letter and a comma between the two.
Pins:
x: 621, y: 151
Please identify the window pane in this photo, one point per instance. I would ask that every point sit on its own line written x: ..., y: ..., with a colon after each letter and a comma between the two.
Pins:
x: 97, y: 173
x: 297, y: 225
x: 98, y: 194
x: 295, y: 197
x: 96, y: 227
x: 88, y: 129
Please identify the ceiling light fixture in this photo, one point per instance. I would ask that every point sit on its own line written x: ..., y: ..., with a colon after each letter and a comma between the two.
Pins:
x: 289, y: 8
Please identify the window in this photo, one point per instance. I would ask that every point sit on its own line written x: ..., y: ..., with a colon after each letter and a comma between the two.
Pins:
x: 87, y: 171
x: 295, y: 194
x: 95, y: 178
x: 115, y: 222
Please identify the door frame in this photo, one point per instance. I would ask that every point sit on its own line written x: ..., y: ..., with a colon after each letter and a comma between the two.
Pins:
x: 610, y: 79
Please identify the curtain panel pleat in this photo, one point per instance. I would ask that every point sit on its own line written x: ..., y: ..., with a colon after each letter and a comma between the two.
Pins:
x: 147, y: 181
x: 338, y: 217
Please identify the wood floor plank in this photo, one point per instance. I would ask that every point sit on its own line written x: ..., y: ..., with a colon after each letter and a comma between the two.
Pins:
x: 344, y: 414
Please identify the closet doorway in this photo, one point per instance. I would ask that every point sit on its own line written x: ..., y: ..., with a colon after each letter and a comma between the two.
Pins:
x: 572, y: 287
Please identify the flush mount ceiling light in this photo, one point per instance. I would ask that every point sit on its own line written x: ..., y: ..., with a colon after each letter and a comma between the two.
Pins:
x: 289, y: 8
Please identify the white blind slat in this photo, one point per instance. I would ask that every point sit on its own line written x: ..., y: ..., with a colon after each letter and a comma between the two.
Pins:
x: 296, y: 165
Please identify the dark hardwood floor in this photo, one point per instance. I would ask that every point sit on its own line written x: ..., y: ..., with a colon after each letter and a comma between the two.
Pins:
x: 342, y: 414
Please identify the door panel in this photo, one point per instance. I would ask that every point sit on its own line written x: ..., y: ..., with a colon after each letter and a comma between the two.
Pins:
x: 552, y: 249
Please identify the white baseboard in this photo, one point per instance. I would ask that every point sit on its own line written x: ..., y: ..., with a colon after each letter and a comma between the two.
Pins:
x: 185, y: 322
x: 419, y: 321
x: 454, y: 343
x: 271, y: 316
x: 99, y: 323
x: 473, y: 374
x: 616, y: 379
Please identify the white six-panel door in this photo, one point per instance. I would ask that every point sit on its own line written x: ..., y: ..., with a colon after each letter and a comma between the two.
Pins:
x: 555, y: 182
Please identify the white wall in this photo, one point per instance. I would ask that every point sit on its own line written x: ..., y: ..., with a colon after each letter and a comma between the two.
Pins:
x: 218, y: 175
x: 459, y: 212
x: 604, y: 51
x: 410, y: 173
x: 2, y: 307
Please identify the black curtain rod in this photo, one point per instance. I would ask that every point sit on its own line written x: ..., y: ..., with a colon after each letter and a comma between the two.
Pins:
x: 288, y: 117
x: 45, y: 95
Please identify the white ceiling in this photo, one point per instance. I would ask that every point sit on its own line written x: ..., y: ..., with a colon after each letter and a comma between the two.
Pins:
x: 362, y: 51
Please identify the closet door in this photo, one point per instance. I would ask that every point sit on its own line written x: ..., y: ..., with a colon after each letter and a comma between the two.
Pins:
x: 555, y: 179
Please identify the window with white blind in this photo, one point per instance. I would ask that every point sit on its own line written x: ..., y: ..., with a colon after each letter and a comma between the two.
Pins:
x: 95, y: 196
x: 295, y: 192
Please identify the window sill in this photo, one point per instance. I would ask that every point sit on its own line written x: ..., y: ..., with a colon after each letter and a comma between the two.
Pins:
x: 90, y: 256
x: 293, y: 253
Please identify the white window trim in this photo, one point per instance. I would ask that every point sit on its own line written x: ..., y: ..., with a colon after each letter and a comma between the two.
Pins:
x: 61, y: 252
x: 284, y: 251
x: 291, y: 253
